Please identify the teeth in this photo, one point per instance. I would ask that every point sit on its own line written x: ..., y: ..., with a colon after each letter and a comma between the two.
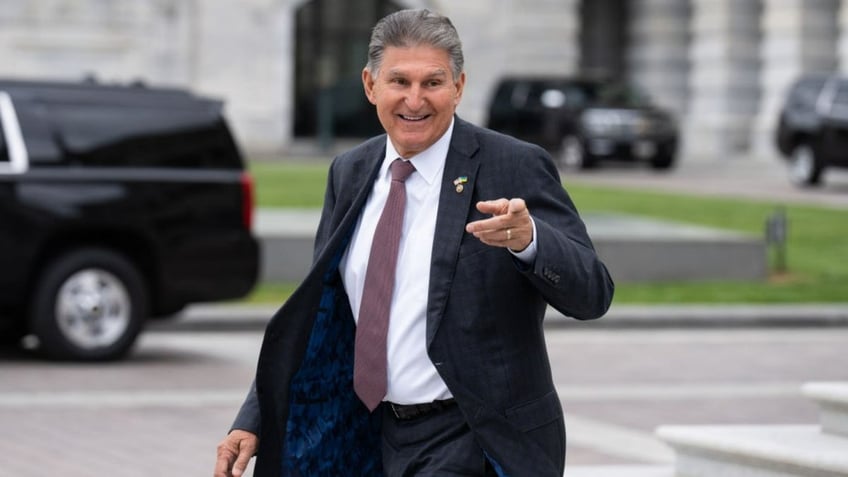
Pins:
x: 413, y: 118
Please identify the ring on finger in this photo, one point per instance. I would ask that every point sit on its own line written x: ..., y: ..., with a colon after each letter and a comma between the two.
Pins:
x: 509, y: 234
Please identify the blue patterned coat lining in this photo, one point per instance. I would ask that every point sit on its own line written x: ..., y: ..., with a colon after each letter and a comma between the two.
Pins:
x: 329, y: 431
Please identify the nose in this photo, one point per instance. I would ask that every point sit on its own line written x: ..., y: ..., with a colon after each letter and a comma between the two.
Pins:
x: 415, y: 98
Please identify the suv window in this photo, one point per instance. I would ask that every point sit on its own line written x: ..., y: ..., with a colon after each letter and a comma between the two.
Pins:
x: 806, y: 92
x: 840, y: 101
x: 150, y: 137
x: 6, y: 118
x: 4, y: 153
x: 621, y: 95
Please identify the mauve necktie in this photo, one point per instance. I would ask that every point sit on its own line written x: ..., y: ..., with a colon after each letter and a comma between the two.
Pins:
x: 369, y: 368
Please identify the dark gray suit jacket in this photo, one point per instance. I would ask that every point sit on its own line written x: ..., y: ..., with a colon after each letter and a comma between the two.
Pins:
x: 484, y: 320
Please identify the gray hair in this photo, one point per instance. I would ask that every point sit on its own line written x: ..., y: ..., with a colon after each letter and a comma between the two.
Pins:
x: 408, y: 28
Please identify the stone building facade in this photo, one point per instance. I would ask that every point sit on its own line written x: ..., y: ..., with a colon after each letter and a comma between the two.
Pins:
x: 721, y: 65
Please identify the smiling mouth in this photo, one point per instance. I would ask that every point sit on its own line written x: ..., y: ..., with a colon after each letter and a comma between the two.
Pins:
x: 413, y: 118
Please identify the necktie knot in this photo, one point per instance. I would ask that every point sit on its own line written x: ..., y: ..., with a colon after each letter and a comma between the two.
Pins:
x: 401, y: 170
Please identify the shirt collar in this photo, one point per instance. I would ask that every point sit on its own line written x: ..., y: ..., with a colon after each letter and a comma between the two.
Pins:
x: 429, y: 162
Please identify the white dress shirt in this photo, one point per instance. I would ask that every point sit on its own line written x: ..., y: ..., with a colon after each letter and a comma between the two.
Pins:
x: 412, y: 378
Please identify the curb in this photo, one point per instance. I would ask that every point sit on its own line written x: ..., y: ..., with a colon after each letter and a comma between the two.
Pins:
x: 707, y: 316
x: 243, y: 317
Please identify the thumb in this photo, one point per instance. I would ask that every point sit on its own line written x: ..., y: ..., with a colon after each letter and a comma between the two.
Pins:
x: 517, y: 206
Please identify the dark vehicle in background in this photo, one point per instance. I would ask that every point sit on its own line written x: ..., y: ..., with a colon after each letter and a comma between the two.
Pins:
x: 812, y: 130
x: 117, y: 203
x: 582, y: 121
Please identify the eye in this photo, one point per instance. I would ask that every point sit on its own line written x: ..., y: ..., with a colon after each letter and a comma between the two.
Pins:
x: 398, y: 81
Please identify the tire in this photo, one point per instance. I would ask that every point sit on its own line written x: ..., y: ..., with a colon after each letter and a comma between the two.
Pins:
x: 573, y: 155
x: 12, y: 334
x: 167, y: 312
x: 88, y: 305
x: 805, y: 167
x: 662, y: 161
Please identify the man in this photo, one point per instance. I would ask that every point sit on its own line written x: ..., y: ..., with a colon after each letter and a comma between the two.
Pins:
x: 488, y: 239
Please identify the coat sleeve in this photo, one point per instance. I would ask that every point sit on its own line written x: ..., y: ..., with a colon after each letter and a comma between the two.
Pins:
x: 566, y: 271
x: 248, y: 417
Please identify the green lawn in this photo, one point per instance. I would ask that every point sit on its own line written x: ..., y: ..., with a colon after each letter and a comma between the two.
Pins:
x: 299, y: 184
x: 817, y: 252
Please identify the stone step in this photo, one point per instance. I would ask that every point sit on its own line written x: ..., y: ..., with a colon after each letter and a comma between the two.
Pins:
x: 832, y: 399
x: 756, y: 451
x: 619, y: 471
x: 633, y: 248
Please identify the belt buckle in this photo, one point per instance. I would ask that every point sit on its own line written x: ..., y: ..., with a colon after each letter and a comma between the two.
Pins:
x: 406, y: 412
x: 395, y: 410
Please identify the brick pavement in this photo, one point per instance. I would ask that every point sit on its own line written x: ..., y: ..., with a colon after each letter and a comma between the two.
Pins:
x: 164, y: 410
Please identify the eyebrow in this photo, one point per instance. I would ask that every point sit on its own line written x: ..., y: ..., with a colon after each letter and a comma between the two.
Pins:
x: 437, y: 73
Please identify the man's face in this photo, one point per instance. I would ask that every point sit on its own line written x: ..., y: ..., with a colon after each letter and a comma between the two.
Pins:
x: 415, y: 94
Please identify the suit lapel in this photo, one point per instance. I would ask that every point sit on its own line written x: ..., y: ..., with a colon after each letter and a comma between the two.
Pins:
x: 454, y: 206
x: 350, y: 202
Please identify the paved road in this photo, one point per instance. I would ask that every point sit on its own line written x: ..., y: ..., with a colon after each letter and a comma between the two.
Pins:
x: 759, y: 179
x: 162, y: 411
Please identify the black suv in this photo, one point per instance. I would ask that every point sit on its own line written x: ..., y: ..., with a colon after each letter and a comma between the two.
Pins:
x: 117, y: 203
x: 812, y: 131
x: 582, y: 121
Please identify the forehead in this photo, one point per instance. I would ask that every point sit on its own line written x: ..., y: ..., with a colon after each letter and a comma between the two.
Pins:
x: 422, y: 58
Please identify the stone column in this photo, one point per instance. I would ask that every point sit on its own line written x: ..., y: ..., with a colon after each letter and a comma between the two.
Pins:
x: 724, y: 82
x: 658, y: 50
x: 71, y: 39
x: 842, y: 42
x: 502, y: 37
x: 166, y: 39
x: 799, y: 36
x: 243, y: 54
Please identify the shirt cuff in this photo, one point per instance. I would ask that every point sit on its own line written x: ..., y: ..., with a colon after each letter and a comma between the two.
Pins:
x: 528, y: 255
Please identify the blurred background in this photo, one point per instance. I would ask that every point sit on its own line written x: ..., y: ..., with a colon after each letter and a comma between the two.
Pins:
x: 731, y: 283
x: 721, y: 66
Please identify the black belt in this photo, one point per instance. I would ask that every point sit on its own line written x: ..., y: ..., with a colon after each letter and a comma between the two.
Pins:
x: 406, y: 412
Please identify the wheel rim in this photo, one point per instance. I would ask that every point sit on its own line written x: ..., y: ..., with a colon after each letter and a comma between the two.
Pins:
x: 93, y: 309
x: 572, y: 152
x: 803, y: 165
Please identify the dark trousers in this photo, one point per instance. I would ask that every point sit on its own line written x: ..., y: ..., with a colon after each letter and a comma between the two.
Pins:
x: 437, y: 444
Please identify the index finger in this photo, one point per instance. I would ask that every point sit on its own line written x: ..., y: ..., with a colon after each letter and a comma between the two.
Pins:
x: 222, y: 467
x: 224, y: 463
x: 482, y: 225
x: 494, y: 207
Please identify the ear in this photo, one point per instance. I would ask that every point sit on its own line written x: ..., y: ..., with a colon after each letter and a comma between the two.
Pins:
x: 368, y: 84
x: 460, y: 86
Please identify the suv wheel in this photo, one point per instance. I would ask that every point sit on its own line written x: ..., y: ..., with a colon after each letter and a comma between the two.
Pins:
x: 805, y: 168
x: 662, y: 161
x: 90, y: 305
x: 573, y: 155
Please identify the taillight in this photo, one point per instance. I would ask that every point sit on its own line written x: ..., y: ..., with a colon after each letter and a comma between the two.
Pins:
x: 247, y: 200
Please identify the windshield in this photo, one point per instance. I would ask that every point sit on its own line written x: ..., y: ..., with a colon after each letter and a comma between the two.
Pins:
x: 620, y: 95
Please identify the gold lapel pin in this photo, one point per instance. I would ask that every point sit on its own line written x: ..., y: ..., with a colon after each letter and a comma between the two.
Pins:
x: 458, y: 183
